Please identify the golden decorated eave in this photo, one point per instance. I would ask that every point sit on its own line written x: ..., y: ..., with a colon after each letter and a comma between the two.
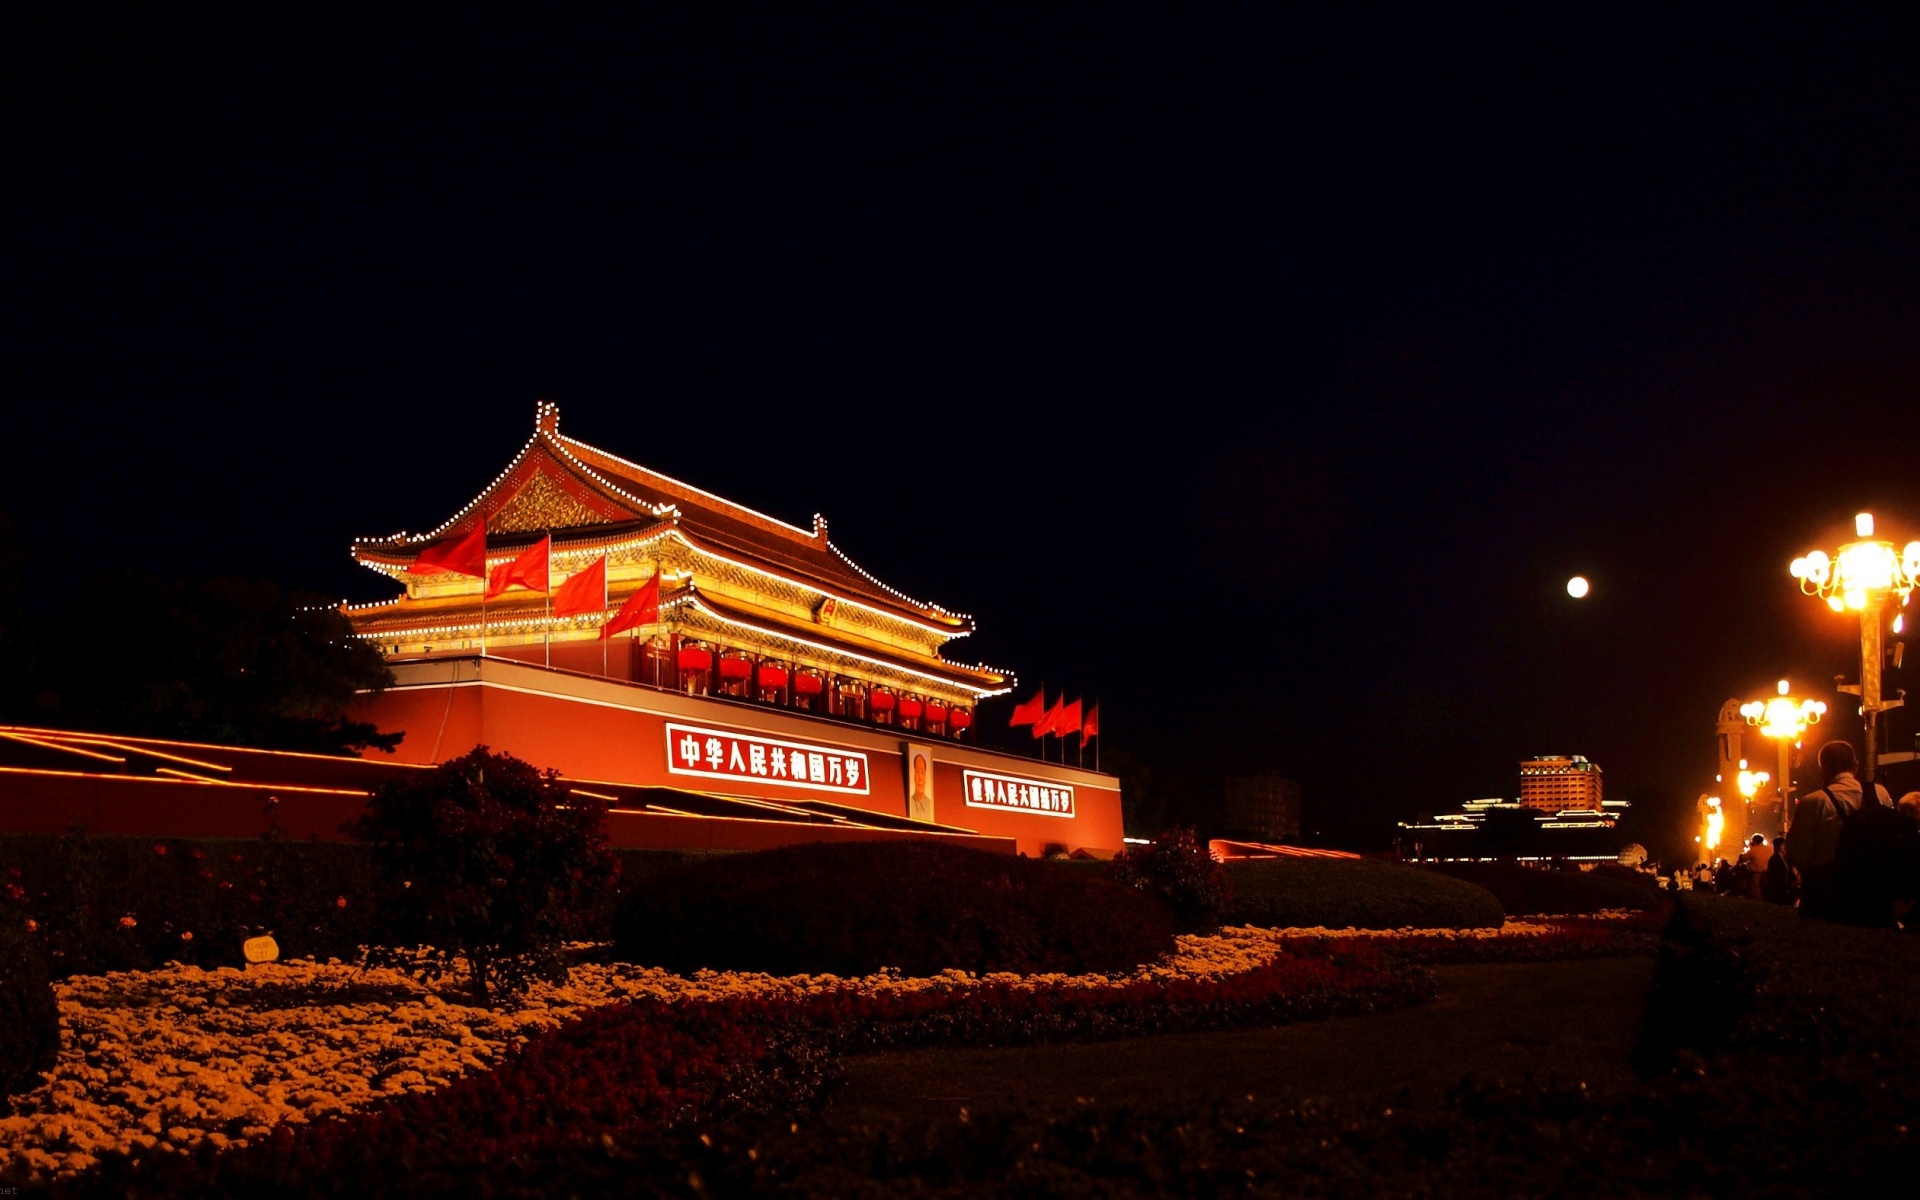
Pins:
x: 587, y: 497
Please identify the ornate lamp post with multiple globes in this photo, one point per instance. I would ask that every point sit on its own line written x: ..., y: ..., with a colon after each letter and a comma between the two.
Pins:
x: 1784, y: 719
x: 1862, y: 577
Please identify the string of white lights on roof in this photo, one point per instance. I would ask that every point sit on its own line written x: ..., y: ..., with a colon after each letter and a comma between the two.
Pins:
x: 892, y: 591
x: 668, y: 479
x: 559, y: 443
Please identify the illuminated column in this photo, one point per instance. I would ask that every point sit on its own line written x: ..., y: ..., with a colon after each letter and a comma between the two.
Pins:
x: 1784, y: 719
x: 1864, y: 576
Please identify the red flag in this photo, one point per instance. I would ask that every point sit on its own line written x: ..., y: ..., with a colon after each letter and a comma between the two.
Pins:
x: 1030, y: 711
x: 641, y: 608
x: 1090, y: 728
x: 584, y: 593
x: 529, y: 571
x: 1068, y: 721
x: 467, y: 556
x: 1045, y: 725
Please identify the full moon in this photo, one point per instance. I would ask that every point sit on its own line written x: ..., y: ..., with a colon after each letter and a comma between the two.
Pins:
x: 1577, y: 586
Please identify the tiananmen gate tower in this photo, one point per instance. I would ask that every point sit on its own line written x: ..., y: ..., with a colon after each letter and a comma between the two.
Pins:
x: 762, y: 689
x: 776, y: 673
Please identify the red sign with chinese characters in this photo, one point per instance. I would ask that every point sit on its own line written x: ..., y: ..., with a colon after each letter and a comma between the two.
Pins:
x: 1011, y: 793
x: 727, y: 754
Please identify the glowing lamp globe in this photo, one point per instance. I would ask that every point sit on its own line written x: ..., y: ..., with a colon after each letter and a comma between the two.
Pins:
x: 1578, y: 587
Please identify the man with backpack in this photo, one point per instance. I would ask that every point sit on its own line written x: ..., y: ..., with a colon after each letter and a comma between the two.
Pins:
x: 1837, y: 843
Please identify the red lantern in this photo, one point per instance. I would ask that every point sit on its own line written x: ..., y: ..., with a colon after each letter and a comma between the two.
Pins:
x: 808, y: 684
x: 909, y: 707
x: 695, y: 659
x: 732, y: 668
x: 881, y: 701
x: 772, y: 679
x: 959, y: 719
x: 936, y: 711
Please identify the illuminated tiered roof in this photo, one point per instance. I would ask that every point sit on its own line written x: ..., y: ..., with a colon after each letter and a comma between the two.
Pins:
x: 732, y: 578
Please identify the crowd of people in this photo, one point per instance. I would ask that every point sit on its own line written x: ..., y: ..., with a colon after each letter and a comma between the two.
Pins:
x: 1848, y: 856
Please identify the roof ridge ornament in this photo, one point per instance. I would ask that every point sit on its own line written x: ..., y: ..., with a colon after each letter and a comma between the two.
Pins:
x: 546, y: 418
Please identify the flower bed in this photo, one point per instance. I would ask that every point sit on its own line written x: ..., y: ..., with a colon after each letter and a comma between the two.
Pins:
x: 199, y: 1061
x: 1532, y: 939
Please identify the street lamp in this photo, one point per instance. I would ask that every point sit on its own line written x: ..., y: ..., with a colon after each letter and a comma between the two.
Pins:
x: 1784, y: 719
x: 1863, y: 577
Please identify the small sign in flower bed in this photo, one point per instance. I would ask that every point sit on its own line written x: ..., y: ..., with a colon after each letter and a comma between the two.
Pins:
x: 677, y: 1050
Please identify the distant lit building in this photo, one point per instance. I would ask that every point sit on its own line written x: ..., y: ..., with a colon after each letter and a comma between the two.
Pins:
x: 1265, y: 806
x: 1558, y: 782
x: 1498, y: 828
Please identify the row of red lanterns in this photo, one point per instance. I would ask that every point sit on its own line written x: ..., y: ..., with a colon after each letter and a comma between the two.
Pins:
x: 770, y: 678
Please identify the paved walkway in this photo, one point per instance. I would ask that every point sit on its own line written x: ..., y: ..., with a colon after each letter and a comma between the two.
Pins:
x: 1577, y: 1021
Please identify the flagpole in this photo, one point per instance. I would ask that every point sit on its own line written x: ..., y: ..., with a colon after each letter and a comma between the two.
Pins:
x: 546, y: 635
x: 603, y: 616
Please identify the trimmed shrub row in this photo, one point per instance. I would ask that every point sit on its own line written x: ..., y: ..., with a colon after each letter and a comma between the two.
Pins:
x: 1531, y: 891
x: 1757, y: 978
x: 858, y: 908
x: 1344, y: 893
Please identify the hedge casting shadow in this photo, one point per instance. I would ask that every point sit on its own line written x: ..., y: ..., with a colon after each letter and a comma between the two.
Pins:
x: 856, y: 908
x: 1532, y: 891
x: 1350, y: 893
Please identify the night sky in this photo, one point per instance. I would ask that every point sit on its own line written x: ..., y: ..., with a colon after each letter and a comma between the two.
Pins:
x: 1265, y: 382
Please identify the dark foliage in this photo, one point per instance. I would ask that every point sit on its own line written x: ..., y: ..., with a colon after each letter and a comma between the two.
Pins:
x: 562, y: 1114
x: 1355, y: 894
x: 77, y: 890
x: 234, y: 661
x: 29, y: 1014
x: 1688, y: 1136
x: 1530, y: 891
x: 1745, y: 977
x: 489, y: 860
x: 860, y: 907
x: 126, y: 903
x: 1183, y: 873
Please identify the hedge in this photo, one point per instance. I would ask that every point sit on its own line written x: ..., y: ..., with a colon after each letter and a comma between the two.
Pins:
x: 1355, y: 894
x: 1745, y: 977
x: 862, y: 907
x: 29, y: 1013
x: 129, y: 903
x: 1531, y: 891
